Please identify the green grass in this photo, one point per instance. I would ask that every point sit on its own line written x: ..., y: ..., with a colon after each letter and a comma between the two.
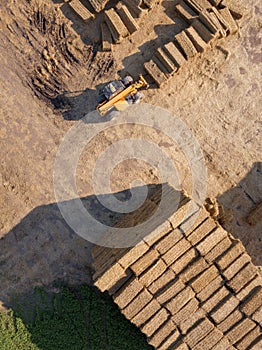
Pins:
x: 74, y: 319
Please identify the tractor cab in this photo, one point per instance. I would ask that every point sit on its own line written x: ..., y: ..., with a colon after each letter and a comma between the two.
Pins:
x: 112, y: 89
x: 119, y: 94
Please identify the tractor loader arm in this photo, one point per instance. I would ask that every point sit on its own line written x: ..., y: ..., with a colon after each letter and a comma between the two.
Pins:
x: 105, y: 106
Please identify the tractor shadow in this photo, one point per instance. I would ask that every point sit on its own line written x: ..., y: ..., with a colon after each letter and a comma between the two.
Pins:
x: 75, y: 105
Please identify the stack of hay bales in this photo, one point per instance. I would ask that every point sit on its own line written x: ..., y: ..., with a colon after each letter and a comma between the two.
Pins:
x: 187, y: 285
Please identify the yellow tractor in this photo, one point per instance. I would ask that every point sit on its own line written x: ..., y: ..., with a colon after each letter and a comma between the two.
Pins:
x: 119, y: 94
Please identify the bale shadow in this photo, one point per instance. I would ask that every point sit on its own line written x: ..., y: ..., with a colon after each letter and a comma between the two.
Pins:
x: 89, y: 31
x: 242, y: 199
x: 134, y: 64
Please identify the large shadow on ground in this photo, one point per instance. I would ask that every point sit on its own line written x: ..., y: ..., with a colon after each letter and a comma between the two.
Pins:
x: 242, y: 200
x: 43, y: 250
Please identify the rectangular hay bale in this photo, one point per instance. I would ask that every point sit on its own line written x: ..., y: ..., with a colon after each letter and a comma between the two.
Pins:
x: 98, y: 5
x: 182, y: 210
x: 189, y: 322
x: 133, y: 254
x: 180, y: 300
x: 236, y: 266
x: 218, y: 250
x: 169, y: 241
x: 144, y: 262
x: 161, y: 56
x: 155, y: 322
x: 186, y: 312
x: 240, y: 330
x: 153, y: 273
x: 253, y: 301
x: 127, y: 293
x: 170, y: 341
x: 194, y: 221
x: 158, y: 233
x: 161, y: 282
x: 185, y: 44
x: 206, y: 18
x: 175, y: 55
x: 116, y: 25
x: 198, y: 5
x: 196, y: 39
x: 127, y: 18
x: 152, y: 69
x: 205, y: 279
x: 175, y: 287
x: 226, y: 15
x: 210, y: 340
x: 219, y: 24
x: 193, y: 270
x: 242, y: 278
x: 225, y: 309
x: 202, y: 231
x: 221, y: 20
x: 230, y: 255
x: 186, y: 259
x: 81, y: 10
x: 185, y: 11
x: 175, y: 252
x: 198, y: 332
x: 110, y: 277
x: 162, y: 333
x: 202, y: 30
x: 257, y: 316
x: 215, y: 299
x: 210, y: 289
x: 106, y: 37
x: 251, y: 337
x: 135, y: 9
x: 236, y: 9
x: 120, y: 282
x: 211, y: 241
x: 148, y: 311
x: 230, y: 321
x: 257, y: 281
x: 140, y: 301
x: 222, y: 345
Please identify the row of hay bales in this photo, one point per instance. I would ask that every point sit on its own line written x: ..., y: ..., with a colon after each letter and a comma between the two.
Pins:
x: 206, y: 23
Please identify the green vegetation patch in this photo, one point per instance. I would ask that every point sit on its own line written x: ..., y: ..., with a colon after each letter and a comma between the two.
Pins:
x: 73, y: 319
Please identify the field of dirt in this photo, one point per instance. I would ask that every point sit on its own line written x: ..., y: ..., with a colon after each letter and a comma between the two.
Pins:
x: 50, y: 72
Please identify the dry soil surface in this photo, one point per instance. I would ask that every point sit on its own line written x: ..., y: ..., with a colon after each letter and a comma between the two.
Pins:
x: 51, y: 69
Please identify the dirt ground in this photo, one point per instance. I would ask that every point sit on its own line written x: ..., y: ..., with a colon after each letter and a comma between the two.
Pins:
x: 51, y: 69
